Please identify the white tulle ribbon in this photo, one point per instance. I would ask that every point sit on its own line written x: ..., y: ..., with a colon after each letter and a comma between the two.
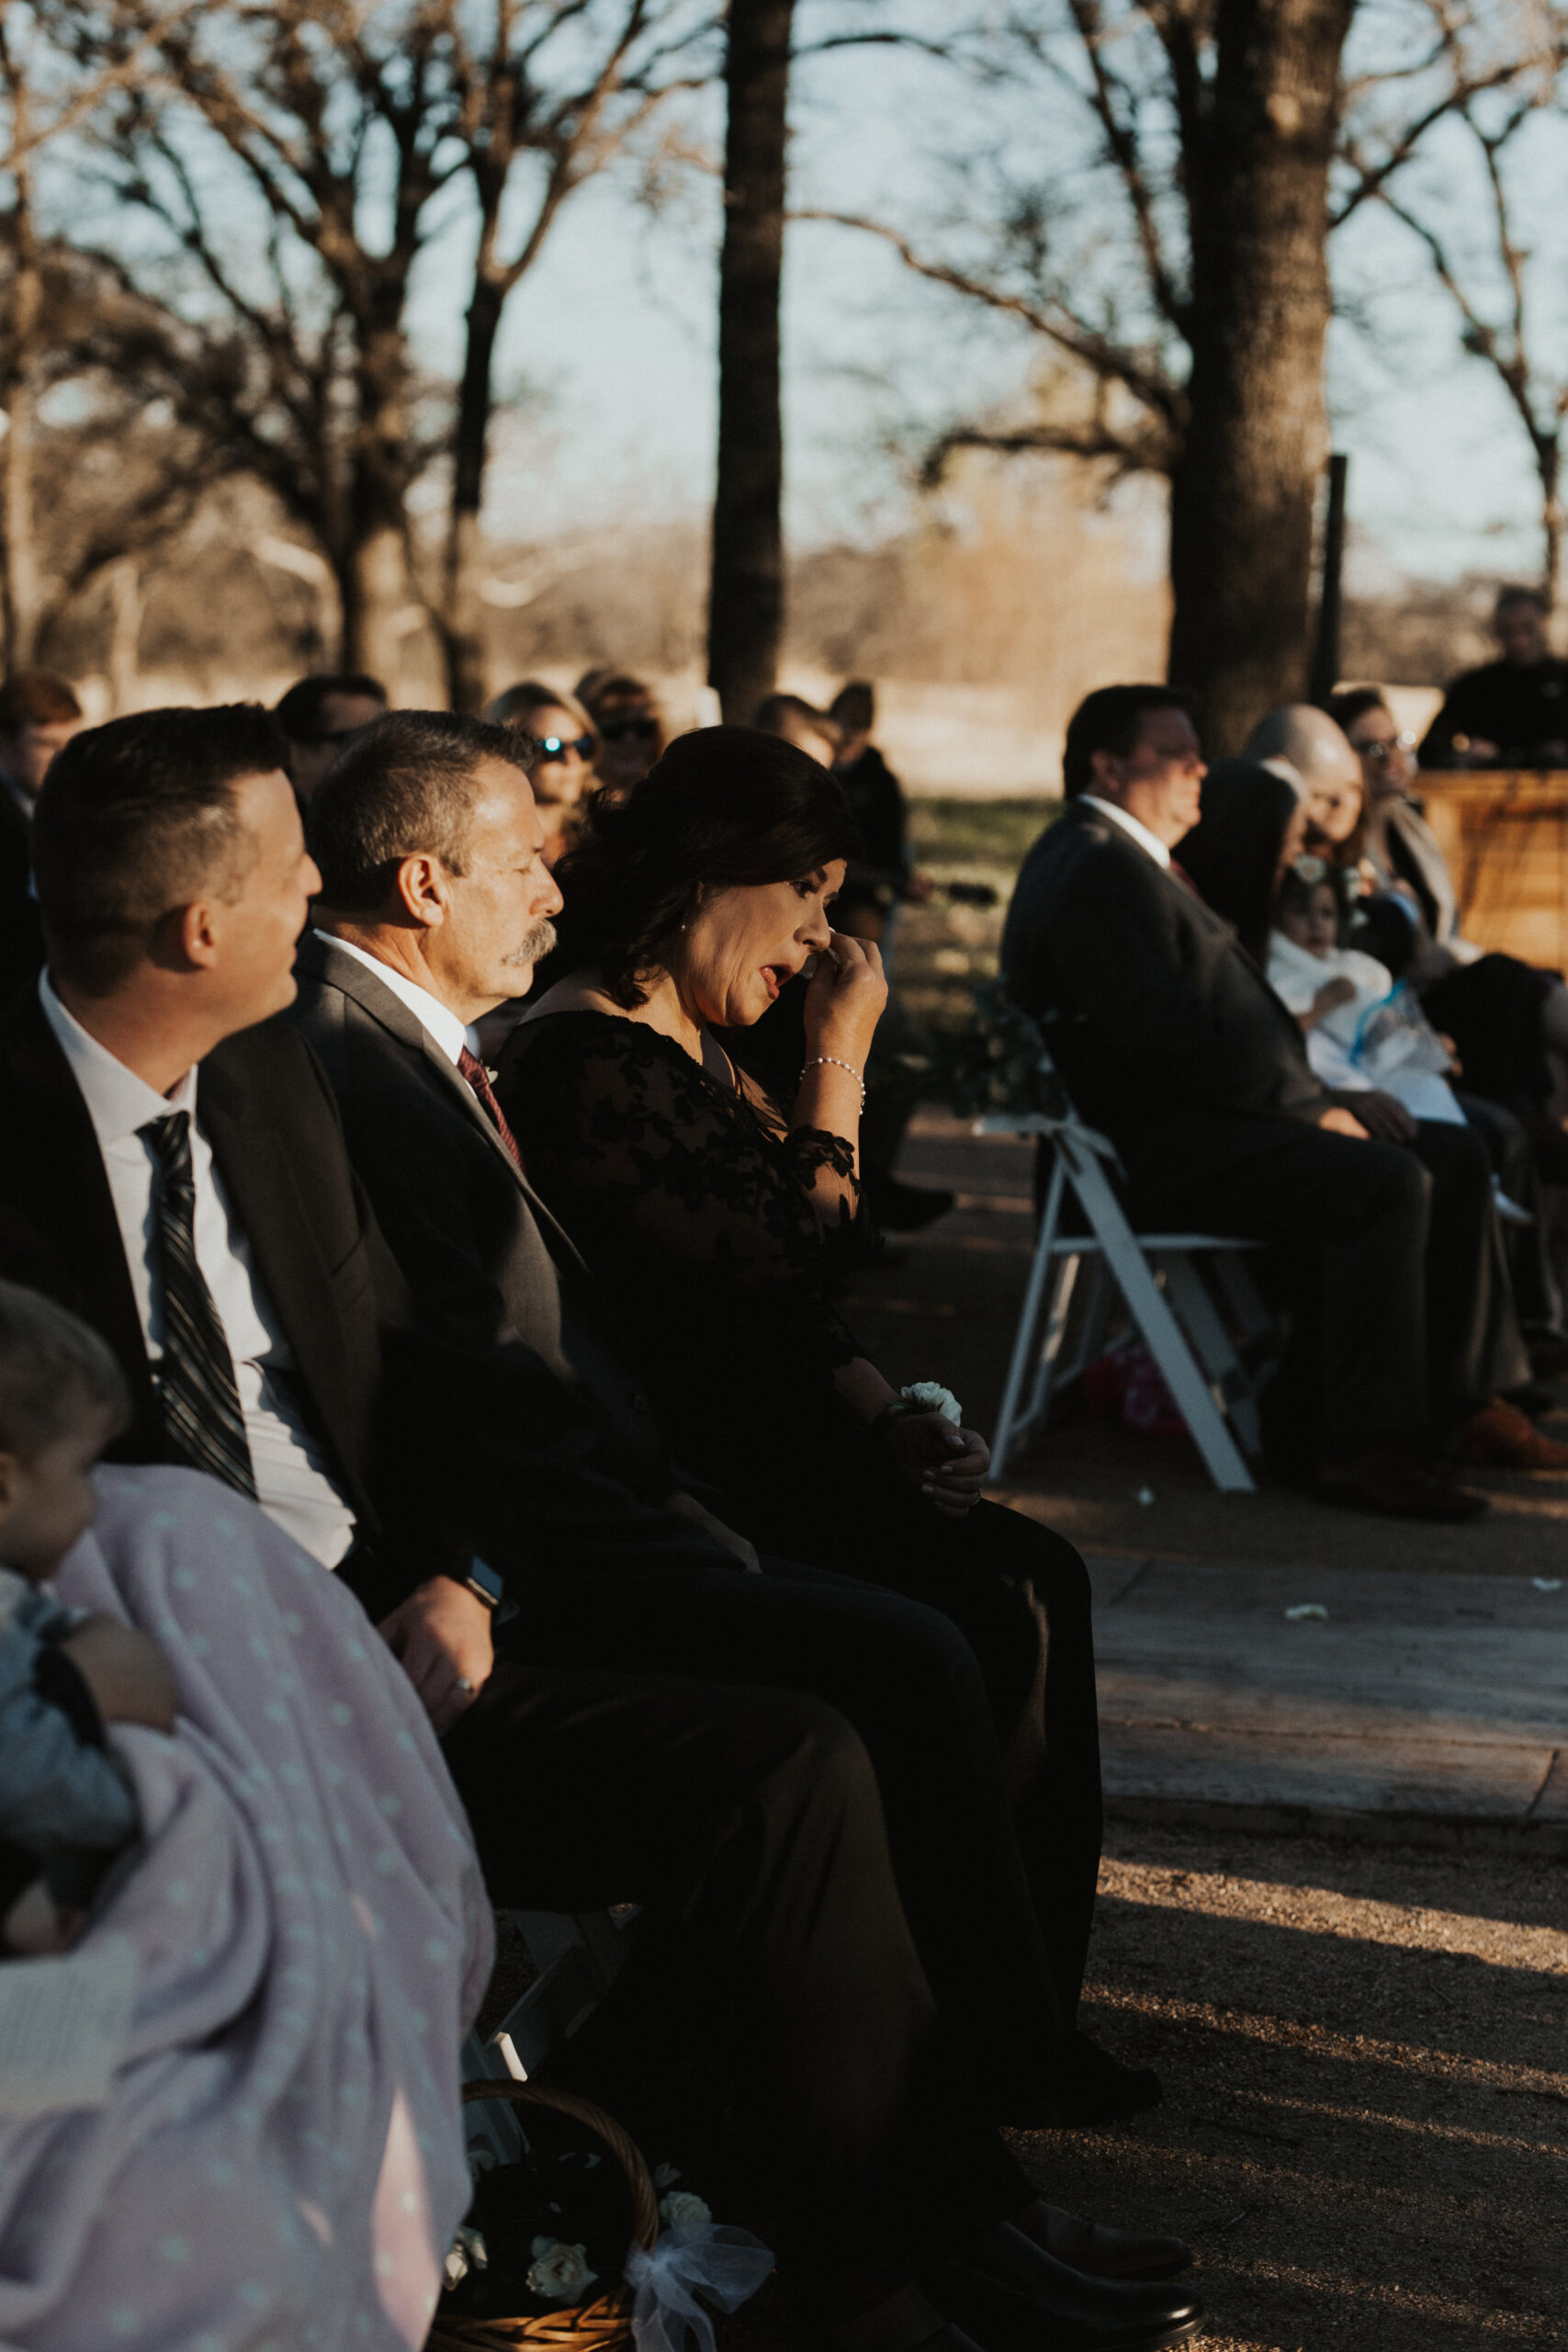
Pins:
x: 696, y: 2258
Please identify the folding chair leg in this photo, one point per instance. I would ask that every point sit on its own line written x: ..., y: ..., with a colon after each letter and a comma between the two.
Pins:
x: 1061, y: 1292
x: 1028, y: 1322
x: 1152, y: 1312
x: 1195, y: 1310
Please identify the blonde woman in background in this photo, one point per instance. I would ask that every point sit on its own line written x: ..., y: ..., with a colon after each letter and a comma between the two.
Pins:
x: 563, y: 763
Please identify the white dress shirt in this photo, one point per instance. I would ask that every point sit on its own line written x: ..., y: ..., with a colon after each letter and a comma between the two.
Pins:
x: 293, y: 1483
x: 439, y: 1022
x: 1130, y: 825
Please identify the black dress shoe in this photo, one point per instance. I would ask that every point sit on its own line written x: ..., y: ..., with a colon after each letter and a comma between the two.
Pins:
x: 1101, y: 2252
x: 1012, y: 2295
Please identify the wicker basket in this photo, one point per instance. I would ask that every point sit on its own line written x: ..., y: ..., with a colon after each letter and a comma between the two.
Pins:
x: 604, y: 2325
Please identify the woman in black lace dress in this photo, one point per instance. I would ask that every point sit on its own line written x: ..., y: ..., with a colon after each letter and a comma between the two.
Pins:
x: 719, y: 1220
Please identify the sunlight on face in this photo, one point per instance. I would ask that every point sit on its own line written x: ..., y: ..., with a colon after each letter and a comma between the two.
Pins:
x: 1333, y: 807
x: 749, y: 941
x: 497, y: 924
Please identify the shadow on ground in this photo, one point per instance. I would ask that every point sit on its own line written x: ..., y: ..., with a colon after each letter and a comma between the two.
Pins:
x: 1365, y: 2131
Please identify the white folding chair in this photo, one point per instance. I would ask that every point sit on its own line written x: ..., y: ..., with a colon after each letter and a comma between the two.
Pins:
x: 1167, y: 1298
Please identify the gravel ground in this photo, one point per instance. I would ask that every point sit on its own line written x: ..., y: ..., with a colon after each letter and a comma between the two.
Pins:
x: 1365, y: 2054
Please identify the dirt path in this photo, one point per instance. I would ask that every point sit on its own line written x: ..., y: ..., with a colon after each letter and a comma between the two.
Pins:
x: 1365, y: 2056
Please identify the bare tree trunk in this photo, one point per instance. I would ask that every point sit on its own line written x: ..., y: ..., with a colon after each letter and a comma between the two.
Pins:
x: 21, y: 585
x: 377, y: 581
x: 745, y: 593
x: 1549, y: 461
x: 463, y: 618
x: 1244, y: 486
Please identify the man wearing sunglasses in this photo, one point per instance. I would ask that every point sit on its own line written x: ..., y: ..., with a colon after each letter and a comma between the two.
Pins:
x: 319, y: 714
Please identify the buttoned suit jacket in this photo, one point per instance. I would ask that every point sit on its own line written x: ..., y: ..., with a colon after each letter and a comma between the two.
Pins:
x: 270, y: 1117
x: 1166, y: 1032
x: 565, y: 1466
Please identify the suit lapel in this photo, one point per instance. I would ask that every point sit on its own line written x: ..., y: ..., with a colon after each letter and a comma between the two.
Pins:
x: 64, y: 1185
x: 322, y: 960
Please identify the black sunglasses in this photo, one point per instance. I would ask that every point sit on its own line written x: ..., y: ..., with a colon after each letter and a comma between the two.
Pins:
x: 555, y: 747
x: 615, y: 730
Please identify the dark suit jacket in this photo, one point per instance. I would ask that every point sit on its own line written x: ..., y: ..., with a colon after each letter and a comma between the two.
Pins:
x: 1166, y: 1032
x: 21, y: 933
x: 565, y: 1464
x: 269, y: 1115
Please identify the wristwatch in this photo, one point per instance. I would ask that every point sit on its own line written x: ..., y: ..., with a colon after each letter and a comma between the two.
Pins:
x: 484, y: 1584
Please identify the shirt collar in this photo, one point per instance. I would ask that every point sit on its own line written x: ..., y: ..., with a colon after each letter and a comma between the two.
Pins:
x: 1130, y: 825
x: 439, y: 1021
x: 119, y: 1103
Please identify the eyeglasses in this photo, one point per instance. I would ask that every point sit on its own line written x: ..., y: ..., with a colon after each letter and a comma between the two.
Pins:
x: 1386, y: 747
x: 615, y: 730
x: 561, y: 747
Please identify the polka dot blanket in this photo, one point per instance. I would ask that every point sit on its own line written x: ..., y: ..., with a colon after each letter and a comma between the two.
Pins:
x: 280, y: 2164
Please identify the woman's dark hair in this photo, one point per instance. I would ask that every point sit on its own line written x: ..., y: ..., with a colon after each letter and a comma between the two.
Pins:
x: 724, y: 805
x: 1353, y: 703
x: 1233, y: 852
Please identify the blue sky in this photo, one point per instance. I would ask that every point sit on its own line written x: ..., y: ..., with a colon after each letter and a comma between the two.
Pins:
x: 615, y: 331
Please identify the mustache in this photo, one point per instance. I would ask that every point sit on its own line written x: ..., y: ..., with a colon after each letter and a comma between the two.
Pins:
x: 535, y: 944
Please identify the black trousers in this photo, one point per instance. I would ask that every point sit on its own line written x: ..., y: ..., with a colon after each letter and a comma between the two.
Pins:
x: 774, y: 1957
x: 1020, y: 1597
x: 907, y: 1681
x: 1538, y: 1295
x: 1390, y: 1258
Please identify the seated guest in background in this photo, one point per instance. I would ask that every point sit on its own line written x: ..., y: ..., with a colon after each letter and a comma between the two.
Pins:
x: 630, y: 726
x: 884, y: 873
x: 224, y: 1252
x: 800, y: 722
x: 1511, y: 713
x: 38, y: 715
x: 319, y: 715
x: 1334, y: 991
x: 1172, y: 1041
x: 1509, y: 1022
x: 566, y: 747
x: 716, y: 1213
x: 776, y: 1047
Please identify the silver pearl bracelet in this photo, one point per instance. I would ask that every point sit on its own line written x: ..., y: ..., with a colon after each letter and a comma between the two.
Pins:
x: 832, y: 1062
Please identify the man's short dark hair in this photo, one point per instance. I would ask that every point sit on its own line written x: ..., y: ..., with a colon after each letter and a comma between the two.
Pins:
x: 137, y: 817
x: 1516, y: 592
x: 402, y: 788
x: 301, y: 712
x: 36, y: 698
x: 1111, y: 719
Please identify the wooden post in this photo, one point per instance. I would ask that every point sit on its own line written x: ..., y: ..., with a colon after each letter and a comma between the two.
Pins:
x: 1324, y: 673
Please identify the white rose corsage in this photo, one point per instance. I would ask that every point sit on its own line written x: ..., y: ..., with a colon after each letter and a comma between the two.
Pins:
x: 930, y: 1397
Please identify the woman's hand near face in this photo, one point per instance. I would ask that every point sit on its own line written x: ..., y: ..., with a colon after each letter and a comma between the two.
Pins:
x: 844, y: 999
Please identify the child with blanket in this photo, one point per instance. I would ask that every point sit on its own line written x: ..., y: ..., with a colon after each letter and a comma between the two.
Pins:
x: 246, y: 1824
x: 1363, y: 1035
x: 66, y: 1807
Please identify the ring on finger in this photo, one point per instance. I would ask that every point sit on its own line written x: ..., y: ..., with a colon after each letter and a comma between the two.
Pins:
x: 465, y: 1686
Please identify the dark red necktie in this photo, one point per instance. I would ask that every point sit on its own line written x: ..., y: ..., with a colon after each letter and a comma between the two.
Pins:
x: 470, y: 1066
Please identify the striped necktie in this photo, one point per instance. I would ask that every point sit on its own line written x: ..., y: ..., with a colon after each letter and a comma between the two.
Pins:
x: 470, y: 1066
x: 202, y: 1421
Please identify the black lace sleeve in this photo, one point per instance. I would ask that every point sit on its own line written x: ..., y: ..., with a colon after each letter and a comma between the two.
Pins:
x: 609, y: 1110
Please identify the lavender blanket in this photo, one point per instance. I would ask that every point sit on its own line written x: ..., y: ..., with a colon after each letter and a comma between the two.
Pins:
x: 281, y: 2163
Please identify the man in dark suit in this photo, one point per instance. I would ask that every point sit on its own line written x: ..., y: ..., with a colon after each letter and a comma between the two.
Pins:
x: 38, y: 715
x: 178, y: 1176
x: 433, y: 910
x: 1171, y: 1041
